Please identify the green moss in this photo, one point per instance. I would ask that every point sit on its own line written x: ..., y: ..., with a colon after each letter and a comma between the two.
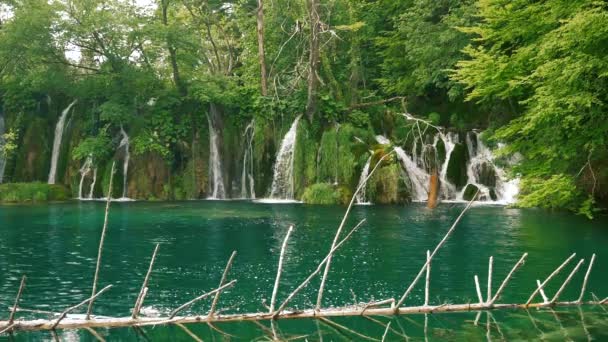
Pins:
x: 32, y: 192
x: 325, y: 193
x: 346, y: 161
x: 387, y: 186
x: 33, y: 155
x: 305, y: 159
x: 328, y: 157
x: 469, y: 192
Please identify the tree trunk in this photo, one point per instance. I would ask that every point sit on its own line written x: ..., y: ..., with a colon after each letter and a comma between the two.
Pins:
x: 173, y: 54
x: 261, y: 55
x: 433, y: 190
x: 313, y: 81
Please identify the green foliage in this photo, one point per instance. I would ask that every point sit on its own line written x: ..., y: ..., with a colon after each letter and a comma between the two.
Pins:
x: 325, y: 193
x: 387, y: 185
x: 98, y: 148
x: 32, y: 192
x: 555, y: 192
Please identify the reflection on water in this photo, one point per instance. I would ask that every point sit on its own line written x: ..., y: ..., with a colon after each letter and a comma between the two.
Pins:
x: 55, y: 246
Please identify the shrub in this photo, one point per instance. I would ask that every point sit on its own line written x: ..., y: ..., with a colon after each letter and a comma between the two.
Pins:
x: 325, y: 193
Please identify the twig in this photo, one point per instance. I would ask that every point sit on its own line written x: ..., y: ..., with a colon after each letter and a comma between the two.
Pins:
x: 428, y: 278
x: 279, y: 270
x: 95, y: 334
x: 339, y: 326
x: 490, y: 265
x: 557, y: 270
x: 144, y: 286
x: 212, y: 326
x: 190, y: 333
x: 315, y: 272
x: 542, y: 292
x: 203, y: 296
x: 478, y: 290
x: 11, y: 317
x: 72, y: 308
x: 561, y: 289
x: 407, y: 292
x: 222, y: 281
x: 101, y: 240
x: 504, y: 283
x: 580, y: 297
x: 339, y: 231
x: 388, y: 326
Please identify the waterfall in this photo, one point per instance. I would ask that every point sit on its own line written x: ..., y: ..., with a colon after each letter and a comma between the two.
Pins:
x: 2, y: 152
x: 282, y: 182
x: 84, y: 171
x: 124, y: 142
x: 419, y: 178
x: 92, y: 188
x: 216, y: 180
x: 482, y: 170
x: 57, y: 142
x: 447, y: 189
x: 361, y: 196
x: 247, y: 172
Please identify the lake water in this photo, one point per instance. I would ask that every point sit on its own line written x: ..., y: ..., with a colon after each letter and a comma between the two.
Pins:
x: 55, y: 245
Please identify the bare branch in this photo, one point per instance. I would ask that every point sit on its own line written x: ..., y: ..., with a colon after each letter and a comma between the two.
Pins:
x: 279, y: 270
x: 222, y: 281
x: 203, y: 296
x: 504, y: 283
x: 144, y: 286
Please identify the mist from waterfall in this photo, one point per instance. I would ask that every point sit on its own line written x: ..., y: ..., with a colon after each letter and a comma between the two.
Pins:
x: 59, y: 128
x: 216, y: 179
x: 124, y: 143
x: 283, y: 182
x: 2, y: 152
x: 247, y: 171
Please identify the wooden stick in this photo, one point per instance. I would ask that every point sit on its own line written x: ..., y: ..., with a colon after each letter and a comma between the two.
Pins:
x: 7, y: 328
x: 339, y: 231
x: 388, y: 326
x: 101, y: 240
x: 477, y: 317
x: 490, y: 265
x: 504, y: 283
x: 580, y: 297
x: 561, y: 289
x: 478, y: 289
x: 604, y: 301
x: 203, y: 296
x: 542, y: 286
x: 315, y: 272
x: 11, y: 317
x: 190, y: 333
x: 428, y: 278
x: 222, y: 281
x: 279, y: 270
x: 95, y: 334
x: 409, y: 289
x: 144, y: 287
x: 72, y: 308
x: 542, y: 292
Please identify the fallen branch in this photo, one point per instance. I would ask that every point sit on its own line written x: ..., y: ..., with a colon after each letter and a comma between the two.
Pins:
x: 561, y: 289
x: 11, y: 317
x: 201, y: 297
x: 72, y: 308
x: 542, y: 286
x: 222, y: 281
x: 144, y: 287
x: 584, y: 287
x: 279, y: 270
x: 506, y: 281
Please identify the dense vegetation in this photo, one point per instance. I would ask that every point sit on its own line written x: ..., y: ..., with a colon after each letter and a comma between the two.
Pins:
x: 533, y: 74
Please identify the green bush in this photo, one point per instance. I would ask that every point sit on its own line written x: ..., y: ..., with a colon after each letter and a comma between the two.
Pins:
x: 32, y: 192
x: 325, y: 193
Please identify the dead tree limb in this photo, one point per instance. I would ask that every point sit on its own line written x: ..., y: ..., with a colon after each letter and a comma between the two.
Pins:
x: 72, y: 308
x: 557, y: 270
x: 144, y: 287
x: 222, y: 281
x: 279, y: 270
x: 490, y: 265
x: 375, y: 103
x: 409, y: 289
x: 506, y: 281
x: 584, y: 287
x: 561, y: 289
x: 190, y: 333
x: 101, y: 240
x: 11, y: 317
x: 201, y: 297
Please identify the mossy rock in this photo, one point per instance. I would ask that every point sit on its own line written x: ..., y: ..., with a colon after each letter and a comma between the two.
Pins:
x: 325, y: 193
x: 34, y: 152
x: 457, y: 167
x: 486, y: 174
x: 469, y: 192
x: 32, y: 192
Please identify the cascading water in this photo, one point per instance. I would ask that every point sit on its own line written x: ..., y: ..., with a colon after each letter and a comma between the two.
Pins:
x: 59, y: 128
x: 247, y: 172
x: 124, y: 143
x: 361, y: 195
x: 484, y: 174
x: 282, y: 182
x: 419, y: 178
x: 84, y: 171
x: 216, y: 180
x: 2, y: 152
